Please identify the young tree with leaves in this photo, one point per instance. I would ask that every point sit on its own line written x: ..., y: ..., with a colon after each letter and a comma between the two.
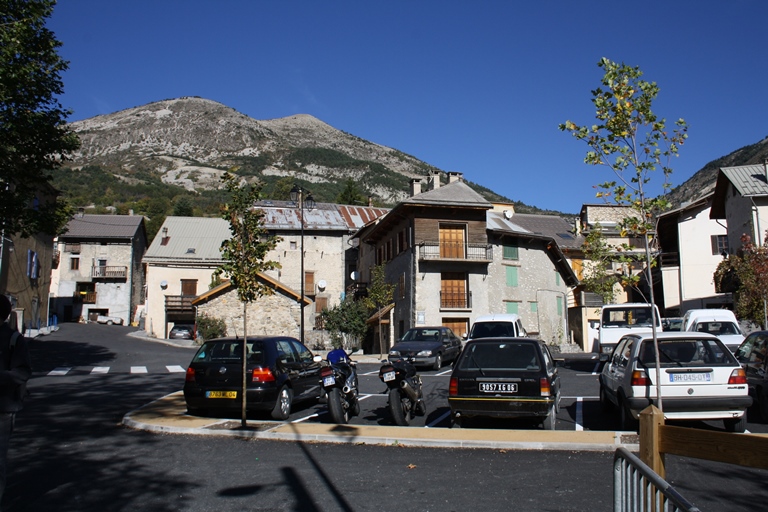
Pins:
x: 380, y: 295
x: 245, y: 253
x: 632, y: 142
x: 745, y: 274
x: 34, y: 138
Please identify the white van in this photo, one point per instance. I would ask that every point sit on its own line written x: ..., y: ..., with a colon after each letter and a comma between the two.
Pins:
x: 616, y: 320
x: 497, y: 325
x: 720, y: 322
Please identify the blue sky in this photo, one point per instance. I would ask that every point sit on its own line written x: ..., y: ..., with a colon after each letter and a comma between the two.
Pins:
x: 474, y: 87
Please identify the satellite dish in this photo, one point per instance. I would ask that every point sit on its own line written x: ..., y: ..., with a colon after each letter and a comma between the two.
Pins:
x: 354, y: 275
x: 507, y: 214
x: 163, y: 284
x: 322, y: 284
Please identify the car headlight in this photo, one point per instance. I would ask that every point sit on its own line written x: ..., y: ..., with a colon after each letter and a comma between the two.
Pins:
x: 394, y: 353
x: 424, y: 353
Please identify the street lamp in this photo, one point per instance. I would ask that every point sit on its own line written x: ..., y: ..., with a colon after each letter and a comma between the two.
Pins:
x: 303, y: 198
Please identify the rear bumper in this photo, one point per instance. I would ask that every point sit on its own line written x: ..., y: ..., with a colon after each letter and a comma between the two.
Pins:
x: 257, y: 399
x: 501, y: 407
x: 695, y: 408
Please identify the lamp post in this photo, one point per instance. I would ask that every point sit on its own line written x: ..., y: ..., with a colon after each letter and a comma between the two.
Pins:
x: 302, y: 198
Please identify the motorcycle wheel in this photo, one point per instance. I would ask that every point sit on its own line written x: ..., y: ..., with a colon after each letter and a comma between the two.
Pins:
x: 339, y: 414
x: 398, y: 406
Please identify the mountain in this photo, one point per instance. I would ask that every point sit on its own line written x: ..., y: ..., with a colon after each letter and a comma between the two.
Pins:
x: 704, y: 180
x: 189, y: 142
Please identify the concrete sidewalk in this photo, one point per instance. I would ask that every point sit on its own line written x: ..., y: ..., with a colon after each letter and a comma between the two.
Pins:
x: 168, y: 415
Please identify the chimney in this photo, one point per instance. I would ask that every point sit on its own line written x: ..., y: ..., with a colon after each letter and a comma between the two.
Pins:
x: 455, y: 176
x: 435, y: 180
x: 415, y: 186
x: 370, y: 201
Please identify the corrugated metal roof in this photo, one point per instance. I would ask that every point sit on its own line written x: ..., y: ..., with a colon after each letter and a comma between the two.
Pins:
x: 189, y: 239
x: 458, y: 193
x: 549, y: 226
x: 285, y: 215
x: 102, y: 226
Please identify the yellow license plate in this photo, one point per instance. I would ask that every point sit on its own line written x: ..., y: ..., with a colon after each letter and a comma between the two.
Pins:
x: 221, y: 394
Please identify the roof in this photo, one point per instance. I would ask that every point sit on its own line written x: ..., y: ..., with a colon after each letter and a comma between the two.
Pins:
x: 546, y: 226
x: 226, y: 286
x: 285, y: 215
x: 748, y: 180
x: 103, y: 226
x: 457, y: 193
x: 189, y: 239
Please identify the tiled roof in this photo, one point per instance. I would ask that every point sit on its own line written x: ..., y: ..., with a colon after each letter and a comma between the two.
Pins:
x: 102, y: 226
x: 546, y: 226
x: 458, y: 193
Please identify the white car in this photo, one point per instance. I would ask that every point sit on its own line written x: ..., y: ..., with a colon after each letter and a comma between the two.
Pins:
x: 700, y: 379
x: 109, y: 320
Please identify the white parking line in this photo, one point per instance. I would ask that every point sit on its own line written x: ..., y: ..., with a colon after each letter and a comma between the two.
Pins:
x: 438, y: 420
x: 100, y: 369
x: 138, y: 369
x: 449, y: 370
x: 597, y: 367
x: 175, y: 369
x: 579, y: 424
x: 59, y: 371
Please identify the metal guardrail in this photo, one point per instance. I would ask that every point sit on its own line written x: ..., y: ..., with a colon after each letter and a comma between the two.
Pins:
x: 637, y: 488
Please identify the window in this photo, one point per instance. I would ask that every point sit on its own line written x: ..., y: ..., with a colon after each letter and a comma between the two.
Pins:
x: 309, y: 283
x: 513, y: 308
x: 512, y: 277
x: 557, y: 278
x: 401, y: 286
x: 510, y: 251
x: 453, y: 290
x: 534, y: 307
x: 719, y: 244
x: 189, y: 287
x: 452, y: 241
x: 559, y: 306
x: 74, y: 264
x: 293, y: 245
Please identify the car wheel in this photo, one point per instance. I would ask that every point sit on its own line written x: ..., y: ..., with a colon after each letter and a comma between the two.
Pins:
x: 282, y: 408
x: 110, y: 322
x: 605, y: 402
x: 626, y: 421
x: 738, y: 425
x: 762, y: 404
x: 438, y: 362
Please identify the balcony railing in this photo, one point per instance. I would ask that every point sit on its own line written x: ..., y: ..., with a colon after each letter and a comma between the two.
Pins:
x: 179, y: 304
x: 453, y: 300
x: 455, y: 251
x: 85, y: 297
x: 108, y: 272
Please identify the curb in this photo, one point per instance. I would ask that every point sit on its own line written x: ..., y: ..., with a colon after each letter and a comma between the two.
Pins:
x: 168, y: 415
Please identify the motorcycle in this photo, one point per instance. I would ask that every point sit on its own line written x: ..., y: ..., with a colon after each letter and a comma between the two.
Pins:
x: 406, y: 398
x: 339, y: 381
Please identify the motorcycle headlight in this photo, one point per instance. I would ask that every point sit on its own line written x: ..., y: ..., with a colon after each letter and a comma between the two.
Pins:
x: 425, y: 353
x: 394, y: 353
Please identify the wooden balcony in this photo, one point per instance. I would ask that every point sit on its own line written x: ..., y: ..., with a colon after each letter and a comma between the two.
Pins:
x: 451, y: 251
x: 85, y: 297
x: 179, y: 304
x: 108, y: 272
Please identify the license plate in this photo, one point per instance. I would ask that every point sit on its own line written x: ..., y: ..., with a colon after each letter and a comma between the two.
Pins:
x: 221, y: 394
x: 388, y: 376
x: 690, y: 377
x: 497, y: 387
x: 329, y: 381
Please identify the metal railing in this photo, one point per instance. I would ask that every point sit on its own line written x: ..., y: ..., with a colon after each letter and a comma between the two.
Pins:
x: 455, y: 251
x: 637, y: 488
x: 453, y: 300
x: 109, y: 272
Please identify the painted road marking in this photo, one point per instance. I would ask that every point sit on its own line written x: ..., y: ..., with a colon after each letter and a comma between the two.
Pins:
x: 138, y: 369
x: 59, y: 371
x: 579, y: 424
x: 175, y: 369
x: 100, y: 369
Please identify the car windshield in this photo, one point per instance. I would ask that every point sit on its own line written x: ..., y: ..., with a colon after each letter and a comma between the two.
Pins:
x: 627, y: 317
x: 500, y: 356
x: 718, y: 328
x: 229, y: 350
x: 421, y: 335
x: 686, y: 352
x: 492, y: 330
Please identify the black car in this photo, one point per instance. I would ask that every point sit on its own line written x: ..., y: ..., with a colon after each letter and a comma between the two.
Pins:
x: 753, y: 356
x: 279, y: 371
x: 505, y: 378
x: 182, y: 332
x: 427, y: 346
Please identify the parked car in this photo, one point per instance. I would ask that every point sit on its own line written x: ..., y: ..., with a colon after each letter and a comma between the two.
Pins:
x: 182, y: 332
x: 616, y: 320
x: 109, y: 320
x: 700, y: 379
x: 720, y: 322
x: 505, y: 378
x: 752, y: 356
x: 280, y: 371
x: 672, y: 323
x: 427, y: 346
x: 497, y: 325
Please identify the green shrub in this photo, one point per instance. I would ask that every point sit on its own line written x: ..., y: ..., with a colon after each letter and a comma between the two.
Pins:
x: 209, y: 328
